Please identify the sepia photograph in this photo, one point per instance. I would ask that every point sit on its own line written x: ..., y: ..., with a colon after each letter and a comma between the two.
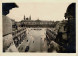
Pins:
x: 39, y: 27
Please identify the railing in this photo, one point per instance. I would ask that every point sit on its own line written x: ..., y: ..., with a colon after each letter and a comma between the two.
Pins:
x: 19, y: 36
x: 51, y: 34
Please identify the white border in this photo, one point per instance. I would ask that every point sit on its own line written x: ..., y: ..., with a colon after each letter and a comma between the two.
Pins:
x: 20, y: 54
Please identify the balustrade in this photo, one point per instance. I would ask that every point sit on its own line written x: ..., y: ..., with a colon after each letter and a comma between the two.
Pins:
x: 19, y: 36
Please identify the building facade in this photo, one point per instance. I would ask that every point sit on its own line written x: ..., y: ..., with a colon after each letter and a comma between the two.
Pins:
x: 27, y: 22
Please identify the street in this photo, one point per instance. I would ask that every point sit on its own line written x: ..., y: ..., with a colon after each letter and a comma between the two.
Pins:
x: 35, y: 40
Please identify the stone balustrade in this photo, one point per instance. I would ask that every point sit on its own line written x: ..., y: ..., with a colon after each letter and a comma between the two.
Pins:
x: 19, y: 36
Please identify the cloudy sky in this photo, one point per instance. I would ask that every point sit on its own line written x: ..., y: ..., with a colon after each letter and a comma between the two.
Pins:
x: 41, y: 10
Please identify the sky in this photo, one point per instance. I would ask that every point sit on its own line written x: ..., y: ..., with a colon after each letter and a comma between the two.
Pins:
x: 39, y: 10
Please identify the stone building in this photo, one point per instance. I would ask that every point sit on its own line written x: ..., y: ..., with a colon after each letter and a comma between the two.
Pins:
x: 27, y: 22
x: 67, y: 31
x: 70, y: 15
x: 7, y: 28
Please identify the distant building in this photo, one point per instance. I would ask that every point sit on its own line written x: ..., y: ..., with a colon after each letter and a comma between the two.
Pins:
x: 27, y: 22
x: 27, y: 18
